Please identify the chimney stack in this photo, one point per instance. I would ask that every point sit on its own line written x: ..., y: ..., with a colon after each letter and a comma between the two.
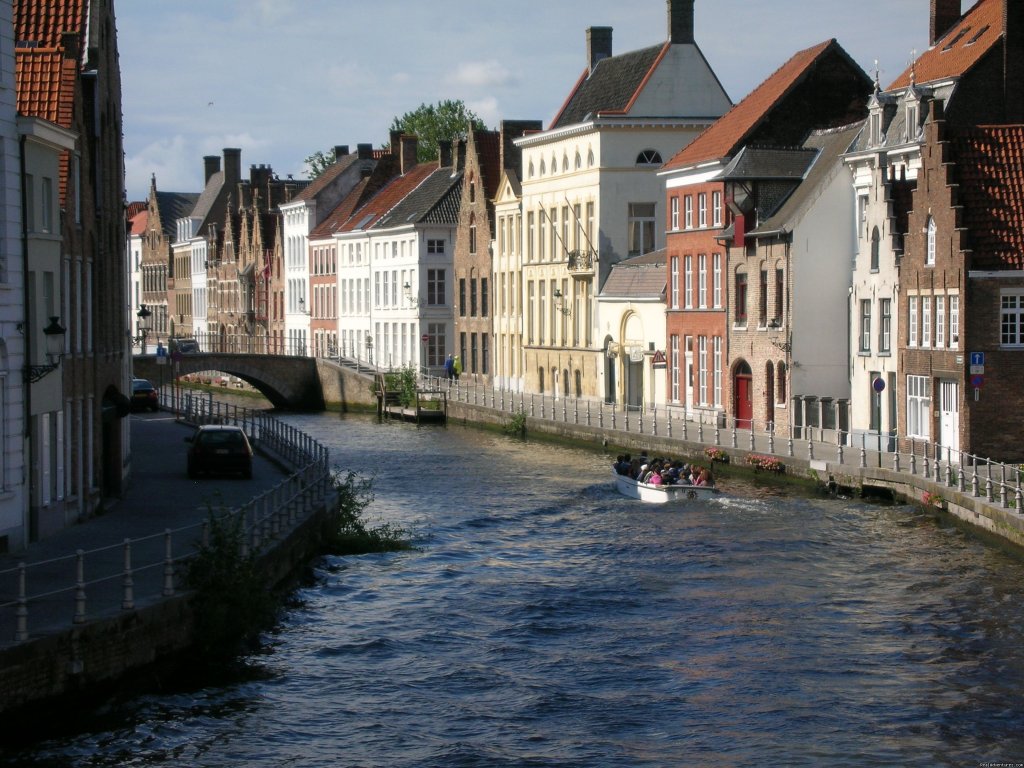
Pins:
x: 211, y: 165
x: 1013, y: 60
x: 444, y: 154
x: 407, y: 153
x: 944, y: 14
x: 232, y: 166
x: 599, y: 45
x: 340, y: 150
x: 680, y: 21
x: 364, y: 151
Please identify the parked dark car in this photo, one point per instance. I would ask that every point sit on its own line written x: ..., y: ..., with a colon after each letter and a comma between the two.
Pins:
x: 184, y: 346
x: 144, y: 395
x: 219, y: 448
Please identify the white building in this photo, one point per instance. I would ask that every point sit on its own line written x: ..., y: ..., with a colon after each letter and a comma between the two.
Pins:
x: 591, y: 196
x: 300, y: 217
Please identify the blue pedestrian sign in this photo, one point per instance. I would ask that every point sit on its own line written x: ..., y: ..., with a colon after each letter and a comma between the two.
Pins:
x: 977, y: 358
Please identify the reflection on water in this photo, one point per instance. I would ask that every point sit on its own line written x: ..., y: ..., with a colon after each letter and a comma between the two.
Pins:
x: 545, y: 620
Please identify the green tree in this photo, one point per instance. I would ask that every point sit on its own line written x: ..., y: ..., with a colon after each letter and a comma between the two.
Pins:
x: 433, y: 123
x: 319, y: 161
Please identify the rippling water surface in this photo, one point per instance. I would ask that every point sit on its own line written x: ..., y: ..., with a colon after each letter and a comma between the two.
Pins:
x: 546, y: 621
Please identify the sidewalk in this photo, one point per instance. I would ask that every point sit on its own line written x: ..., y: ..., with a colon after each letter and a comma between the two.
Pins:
x: 159, y: 497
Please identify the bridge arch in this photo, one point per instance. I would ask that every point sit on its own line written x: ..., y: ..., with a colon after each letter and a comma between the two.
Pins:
x: 287, y: 382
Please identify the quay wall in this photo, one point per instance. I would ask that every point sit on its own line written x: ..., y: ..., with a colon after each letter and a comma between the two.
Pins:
x: 97, y: 654
x: 979, y: 514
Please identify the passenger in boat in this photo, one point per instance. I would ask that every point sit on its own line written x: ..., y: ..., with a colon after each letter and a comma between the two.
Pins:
x: 702, y: 477
x: 655, y: 478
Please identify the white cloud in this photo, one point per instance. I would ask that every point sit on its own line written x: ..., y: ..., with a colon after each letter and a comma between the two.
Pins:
x: 481, y: 74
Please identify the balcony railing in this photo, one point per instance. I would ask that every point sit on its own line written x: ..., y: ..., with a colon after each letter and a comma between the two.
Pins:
x: 581, y: 263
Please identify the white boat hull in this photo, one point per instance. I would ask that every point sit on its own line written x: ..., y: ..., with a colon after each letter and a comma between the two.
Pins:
x: 661, y: 494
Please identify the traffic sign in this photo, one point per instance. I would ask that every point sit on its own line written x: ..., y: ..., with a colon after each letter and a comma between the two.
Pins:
x: 425, y: 338
x: 977, y: 369
x: 977, y: 380
x: 977, y: 358
x: 658, y: 361
x: 878, y: 384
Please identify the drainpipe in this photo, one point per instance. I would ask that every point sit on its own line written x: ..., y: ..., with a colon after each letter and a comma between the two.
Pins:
x: 26, y: 473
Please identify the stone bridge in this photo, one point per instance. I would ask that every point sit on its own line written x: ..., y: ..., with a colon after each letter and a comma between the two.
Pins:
x: 287, y: 382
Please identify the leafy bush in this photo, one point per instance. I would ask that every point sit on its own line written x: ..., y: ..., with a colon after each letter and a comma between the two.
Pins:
x: 516, y: 425
x: 231, y: 602
x: 351, y: 535
x: 403, y: 381
x: 930, y: 499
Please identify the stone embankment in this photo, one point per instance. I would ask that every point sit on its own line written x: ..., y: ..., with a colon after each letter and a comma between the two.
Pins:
x: 106, y: 597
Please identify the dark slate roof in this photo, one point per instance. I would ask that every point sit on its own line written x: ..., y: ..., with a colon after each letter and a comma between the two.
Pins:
x: 827, y: 148
x: 329, y: 174
x: 174, y: 206
x: 768, y: 163
x: 610, y: 87
x: 434, y: 201
x: 642, y: 277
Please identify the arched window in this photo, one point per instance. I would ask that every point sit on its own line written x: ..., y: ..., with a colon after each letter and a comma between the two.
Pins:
x: 543, y: 168
x: 929, y: 258
x: 540, y: 384
x: 472, y: 234
x: 780, y: 387
x: 530, y: 174
x: 875, y: 238
x: 565, y: 163
x: 590, y: 158
x: 649, y: 157
x: 579, y: 161
x: 472, y: 188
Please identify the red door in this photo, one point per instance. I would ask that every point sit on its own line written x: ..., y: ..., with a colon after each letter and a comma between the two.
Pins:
x: 742, y: 389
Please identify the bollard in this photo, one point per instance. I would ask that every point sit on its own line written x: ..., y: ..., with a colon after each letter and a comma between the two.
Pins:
x: 127, y: 582
x: 168, y: 590
x: 751, y: 436
x: 80, y: 589
x: 734, y: 436
x: 718, y: 434
x: 21, y: 613
x: 700, y: 431
x: 810, y: 447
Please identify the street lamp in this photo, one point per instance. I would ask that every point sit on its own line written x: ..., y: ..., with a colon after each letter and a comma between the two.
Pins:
x: 369, y: 348
x: 54, y: 333
x: 143, y: 314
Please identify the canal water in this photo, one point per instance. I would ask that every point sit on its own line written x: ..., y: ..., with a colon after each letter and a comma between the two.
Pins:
x: 544, y: 620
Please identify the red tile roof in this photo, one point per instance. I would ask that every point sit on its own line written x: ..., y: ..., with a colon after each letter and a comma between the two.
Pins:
x: 990, y: 170
x: 388, y: 198
x: 727, y: 134
x: 46, y: 82
x: 139, y: 220
x: 43, y: 22
x: 960, y: 48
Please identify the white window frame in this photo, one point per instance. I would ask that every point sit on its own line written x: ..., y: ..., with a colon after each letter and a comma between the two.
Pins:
x: 674, y: 282
x: 1011, y: 318
x: 912, y: 321
x: 688, y: 277
x: 865, y: 326
x: 674, y: 352
x: 716, y: 261
x: 954, y: 320
x: 940, y: 321
x: 702, y: 210
x: 918, y: 407
x: 688, y: 212
x: 702, y: 280
x: 702, y: 345
x: 926, y: 321
x: 674, y: 208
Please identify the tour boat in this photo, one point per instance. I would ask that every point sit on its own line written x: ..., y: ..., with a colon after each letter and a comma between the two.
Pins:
x: 661, y: 494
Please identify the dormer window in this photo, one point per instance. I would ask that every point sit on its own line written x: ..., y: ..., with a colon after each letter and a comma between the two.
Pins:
x: 875, y: 128
x: 649, y: 157
x: 912, y: 118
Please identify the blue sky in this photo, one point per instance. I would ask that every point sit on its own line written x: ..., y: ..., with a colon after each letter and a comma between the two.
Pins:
x: 283, y: 78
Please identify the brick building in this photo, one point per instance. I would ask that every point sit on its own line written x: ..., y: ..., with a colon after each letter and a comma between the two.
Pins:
x: 68, y: 73
x: 819, y: 87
